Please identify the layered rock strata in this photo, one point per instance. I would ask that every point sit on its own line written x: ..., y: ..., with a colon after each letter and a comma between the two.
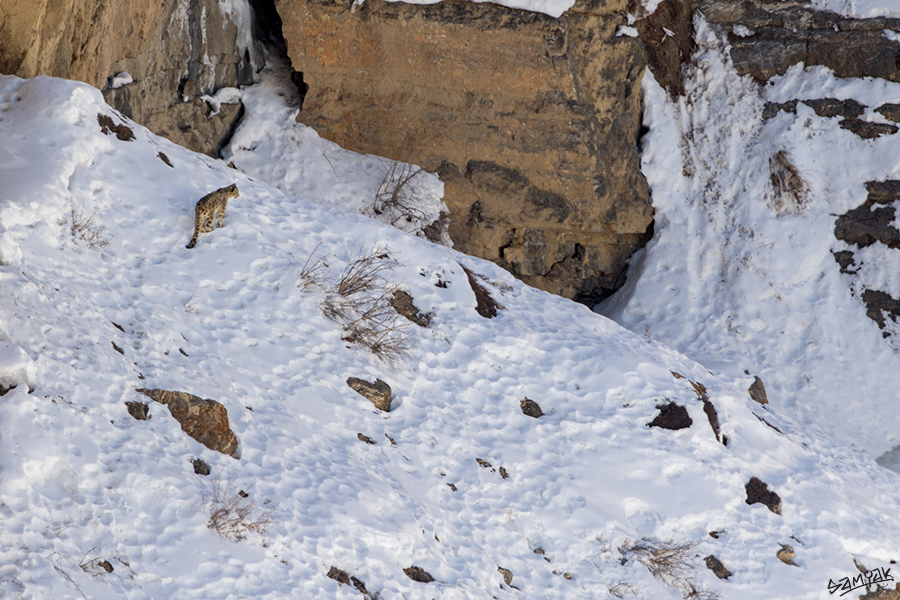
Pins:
x: 767, y: 38
x: 175, y: 51
x: 531, y: 122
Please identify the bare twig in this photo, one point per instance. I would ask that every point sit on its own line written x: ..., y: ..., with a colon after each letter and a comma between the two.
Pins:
x: 672, y: 563
x: 231, y: 513
x: 84, y: 227
x: 360, y: 301
x: 312, y: 273
x: 192, y: 304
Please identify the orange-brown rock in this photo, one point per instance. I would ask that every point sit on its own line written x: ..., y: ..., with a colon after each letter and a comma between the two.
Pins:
x: 204, y: 420
x: 531, y: 122
x: 175, y: 50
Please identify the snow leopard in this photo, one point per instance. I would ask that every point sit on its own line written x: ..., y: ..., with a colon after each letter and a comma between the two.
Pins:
x: 208, y: 208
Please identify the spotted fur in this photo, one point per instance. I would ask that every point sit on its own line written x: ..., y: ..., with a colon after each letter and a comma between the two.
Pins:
x: 208, y: 208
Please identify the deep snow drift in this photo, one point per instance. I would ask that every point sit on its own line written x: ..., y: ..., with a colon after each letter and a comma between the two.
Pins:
x: 234, y: 319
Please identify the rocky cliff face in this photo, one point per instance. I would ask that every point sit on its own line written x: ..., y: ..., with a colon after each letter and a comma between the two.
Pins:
x: 531, y: 122
x: 767, y: 38
x: 175, y: 50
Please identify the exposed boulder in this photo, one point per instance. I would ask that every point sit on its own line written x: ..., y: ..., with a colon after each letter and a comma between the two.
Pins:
x: 774, y: 36
x: 344, y: 578
x: 715, y: 565
x: 786, y: 555
x: 531, y: 408
x: 832, y: 107
x: 773, y: 108
x: 174, y: 50
x: 548, y: 182
x: 204, y: 420
x: 403, y: 304
x: 713, y: 417
x: 868, y: 130
x: 418, y: 574
x: 485, y: 305
x: 873, y: 221
x: 200, y: 467
x: 757, y: 391
x: 891, y: 112
x: 759, y: 493
x: 881, y: 306
x: 138, y: 410
x: 378, y: 393
x: 668, y: 40
x: 845, y: 261
x: 109, y: 126
x: 671, y: 416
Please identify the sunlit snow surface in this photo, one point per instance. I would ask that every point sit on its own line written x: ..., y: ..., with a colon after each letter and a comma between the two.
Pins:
x: 271, y: 146
x: 82, y: 480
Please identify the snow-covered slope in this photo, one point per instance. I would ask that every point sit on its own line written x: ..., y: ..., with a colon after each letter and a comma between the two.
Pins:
x: 271, y: 146
x: 82, y: 482
x: 738, y: 277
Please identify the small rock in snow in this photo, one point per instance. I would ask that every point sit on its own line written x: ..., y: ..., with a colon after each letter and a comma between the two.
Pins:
x: 138, y: 410
x: 759, y: 493
x: 418, y: 574
x: 531, y: 408
x: 786, y: 555
x: 403, y: 304
x: 378, y: 393
x: 715, y: 565
x: 204, y: 420
x: 200, y: 467
x: 671, y: 416
x: 758, y: 391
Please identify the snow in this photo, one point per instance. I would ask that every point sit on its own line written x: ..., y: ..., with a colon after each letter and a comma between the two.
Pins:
x: 859, y: 9
x: 120, y: 80
x: 224, y: 95
x: 271, y: 146
x: 82, y: 481
x: 553, y: 8
x: 737, y: 279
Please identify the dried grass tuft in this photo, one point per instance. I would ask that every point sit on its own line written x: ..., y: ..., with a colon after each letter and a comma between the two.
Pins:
x: 232, y: 514
x: 85, y: 227
x: 788, y: 184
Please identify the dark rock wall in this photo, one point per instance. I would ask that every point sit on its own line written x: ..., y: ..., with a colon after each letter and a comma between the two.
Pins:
x: 176, y: 51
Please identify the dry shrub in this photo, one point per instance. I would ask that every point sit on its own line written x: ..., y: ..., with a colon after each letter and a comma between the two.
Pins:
x: 84, y: 227
x: 232, y: 514
x: 788, y: 184
x: 312, y: 273
x: 400, y: 193
x: 672, y: 563
x: 622, y: 589
x: 360, y: 301
x: 365, y: 273
x: 192, y: 304
x: 95, y: 566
